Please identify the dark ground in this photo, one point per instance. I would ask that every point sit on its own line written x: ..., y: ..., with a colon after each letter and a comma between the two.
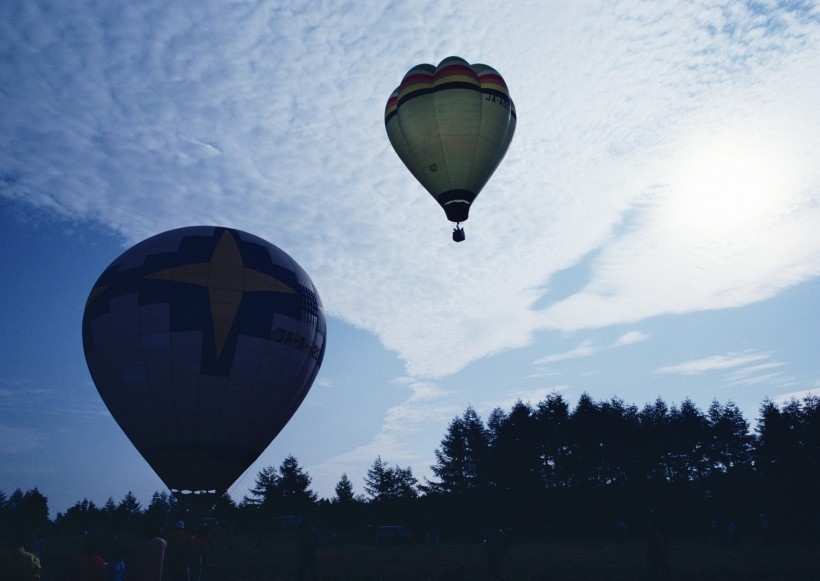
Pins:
x: 690, y: 559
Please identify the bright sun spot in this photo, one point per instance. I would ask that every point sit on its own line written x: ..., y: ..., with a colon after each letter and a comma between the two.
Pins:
x: 726, y: 182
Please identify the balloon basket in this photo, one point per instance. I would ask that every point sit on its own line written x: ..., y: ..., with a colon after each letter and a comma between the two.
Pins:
x: 196, y: 504
x: 458, y: 234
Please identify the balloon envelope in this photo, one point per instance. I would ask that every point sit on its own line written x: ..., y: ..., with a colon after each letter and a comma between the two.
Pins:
x: 203, y: 342
x: 451, y: 125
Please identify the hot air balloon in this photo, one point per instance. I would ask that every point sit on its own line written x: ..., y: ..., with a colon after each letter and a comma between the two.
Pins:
x: 203, y: 342
x: 451, y: 125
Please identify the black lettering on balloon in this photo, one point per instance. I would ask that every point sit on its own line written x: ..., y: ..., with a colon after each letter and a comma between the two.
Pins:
x: 505, y: 103
x: 296, y: 341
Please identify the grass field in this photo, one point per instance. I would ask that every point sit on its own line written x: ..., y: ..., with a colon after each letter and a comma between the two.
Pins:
x: 276, y: 560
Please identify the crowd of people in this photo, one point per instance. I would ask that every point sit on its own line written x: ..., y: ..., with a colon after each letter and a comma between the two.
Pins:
x: 178, y: 554
x: 154, y: 556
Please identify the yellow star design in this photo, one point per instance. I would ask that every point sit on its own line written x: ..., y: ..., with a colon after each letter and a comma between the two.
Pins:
x: 227, y: 279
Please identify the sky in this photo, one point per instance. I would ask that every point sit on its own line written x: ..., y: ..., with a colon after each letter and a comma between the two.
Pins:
x: 653, y: 231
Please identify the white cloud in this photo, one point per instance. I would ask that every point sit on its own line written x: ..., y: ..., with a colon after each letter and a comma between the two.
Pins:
x: 630, y: 338
x: 585, y: 349
x: 540, y: 373
x: 756, y: 374
x: 795, y: 395
x: 16, y: 392
x: 531, y: 397
x: 760, y: 379
x: 403, y: 427
x: 147, y: 117
x: 668, y: 150
x: 16, y: 440
x: 713, y: 363
x: 742, y: 369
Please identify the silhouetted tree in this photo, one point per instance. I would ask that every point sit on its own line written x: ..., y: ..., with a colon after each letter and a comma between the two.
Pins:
x: 82, y: 516
x: 345, y: 513
x: 779, y: 441
x: 283, y: 491
x: 225, y: 508
x: 384, y: 483
x: 655, y: 430
x: 293, y: 485
x: 4, y: 516
x: 787, y: 461
x: 810, y: 436
x: 588, y: 456
x: 127, y: 513
x: 265, y: 487
x: 495, y: 420
x: 35, y: 508
x: 687, y: 444
x: 620, y: 436
x: 129, y: 504
x: 730, y: 447
x: 543, y: 468
x: 552, y: 429
x: 377, y: 483
x: 462, y: 456
x: 23, y: 512
x: 160, y: 508
x: 405, y: 484
x: 110, y: 507
x: 344, y: 491
x: 513, y: 460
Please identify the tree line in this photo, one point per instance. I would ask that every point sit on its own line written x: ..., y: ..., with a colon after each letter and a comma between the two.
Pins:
x: 544, y: 470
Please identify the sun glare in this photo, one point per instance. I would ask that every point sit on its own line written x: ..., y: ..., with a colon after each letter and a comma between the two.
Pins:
x: 727, y: 182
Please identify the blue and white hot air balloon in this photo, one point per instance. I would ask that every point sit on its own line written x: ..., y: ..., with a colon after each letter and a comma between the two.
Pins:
x: 203, y: 342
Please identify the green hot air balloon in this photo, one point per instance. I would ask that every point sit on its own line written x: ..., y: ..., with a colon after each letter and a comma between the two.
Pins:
x: 451, y: 125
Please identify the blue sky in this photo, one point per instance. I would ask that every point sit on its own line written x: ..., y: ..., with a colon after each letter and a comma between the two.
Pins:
x: 654, y: 229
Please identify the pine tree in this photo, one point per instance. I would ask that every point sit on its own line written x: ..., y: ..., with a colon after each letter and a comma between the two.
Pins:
x: 686, y: 456
x: 462, y: 455
x: 731, y: 443
x: 283, y: 491
x: 654, y: 421
x: 265, y: 487
x: 160, y: 507
x: 129, y: 505
x: 384, y: 483
x: 293, y: 484
x: 344, y: 491
x: 405, y: 484
x: 110, y: 507
x: 377, y: 482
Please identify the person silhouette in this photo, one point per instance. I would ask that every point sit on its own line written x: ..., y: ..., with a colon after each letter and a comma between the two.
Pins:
x: 147, y: 556
x: 179, y: 547
x: 16, y: 563
x: 88, y: 565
